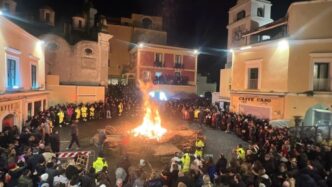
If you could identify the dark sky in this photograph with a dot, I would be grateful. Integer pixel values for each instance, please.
(189, 23)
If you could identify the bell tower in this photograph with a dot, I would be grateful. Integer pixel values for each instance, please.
(245, 16)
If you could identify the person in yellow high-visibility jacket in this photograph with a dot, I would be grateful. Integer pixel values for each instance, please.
(199, 144)
(84, 111)
(61, 116)
(185, 163)
(77, 113)
(240, 152)
(196, 113)
(99, 163)
(92, 112)
(120, 108)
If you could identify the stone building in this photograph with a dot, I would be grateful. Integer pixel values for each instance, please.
(128, 32)
(22, 75)
(76, 46)
(285, 67)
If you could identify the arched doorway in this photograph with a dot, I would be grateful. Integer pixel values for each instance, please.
(8, 121)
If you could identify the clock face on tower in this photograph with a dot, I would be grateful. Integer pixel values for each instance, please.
(237, 35)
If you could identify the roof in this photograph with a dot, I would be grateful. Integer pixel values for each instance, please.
(149, 45)
(277, 23)
(47, 7)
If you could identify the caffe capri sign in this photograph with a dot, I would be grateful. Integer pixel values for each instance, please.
(254, 99)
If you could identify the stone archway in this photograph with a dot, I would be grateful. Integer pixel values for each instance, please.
(7, 121)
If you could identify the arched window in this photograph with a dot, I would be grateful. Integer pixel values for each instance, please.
(8, 121)
(240, 15)
(88, 52)
(147, 23)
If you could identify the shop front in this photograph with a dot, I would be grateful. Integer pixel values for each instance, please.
(10, 114)
(15, 109)
(262, 106)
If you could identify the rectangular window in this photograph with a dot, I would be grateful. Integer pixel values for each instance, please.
(178, 61)
(260, 12)
(37, 107)
(321, 77)
(146, 75)
(159, 57)
(47, 17)
(33, 76)
(159, 60)
(30, 110)
(11, 73)
(80, 24)
(253, 78)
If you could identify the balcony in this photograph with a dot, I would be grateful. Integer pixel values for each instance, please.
(158, 64)
(253, 84)
(171, 80)
(178, 66)
(322, 84)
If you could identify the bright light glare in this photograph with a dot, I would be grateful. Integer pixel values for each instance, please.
(231, 50)
(245, 48)
(15, 87)
(40, 43)
(1, 13)
(140, 45)
(162, 96)
(283, 44)
(196, 51)
(152, 94)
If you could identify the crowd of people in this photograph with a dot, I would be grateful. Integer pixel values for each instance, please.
(29, 157)
(272, 158)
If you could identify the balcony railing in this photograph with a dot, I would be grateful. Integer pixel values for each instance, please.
(178, 65)
(322, 84)
(158, 64)
(171, 80)
(253, 84)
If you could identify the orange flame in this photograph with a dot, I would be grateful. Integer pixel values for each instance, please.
(151, 126)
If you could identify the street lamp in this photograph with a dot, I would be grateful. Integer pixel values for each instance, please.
(141, 45)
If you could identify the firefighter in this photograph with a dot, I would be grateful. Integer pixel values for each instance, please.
(120, 108)
(99, 163)
(92, 112)
(77, 113)
(61, 116)
(84, 111)
(185, 163)
(199, 144)
(240, 152)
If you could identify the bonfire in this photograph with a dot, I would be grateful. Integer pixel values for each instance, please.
(151, 126)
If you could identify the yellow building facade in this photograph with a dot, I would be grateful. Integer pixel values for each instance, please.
(22, 75)
(279, 76)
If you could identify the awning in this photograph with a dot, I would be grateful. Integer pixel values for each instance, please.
(281, 123)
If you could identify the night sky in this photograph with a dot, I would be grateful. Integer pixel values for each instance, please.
(197, 24)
